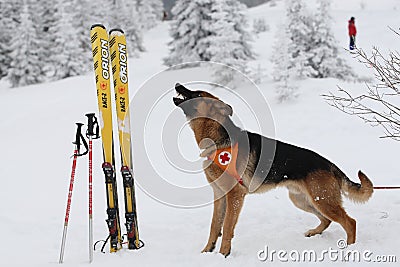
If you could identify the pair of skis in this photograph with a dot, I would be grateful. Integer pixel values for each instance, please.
(105, 47)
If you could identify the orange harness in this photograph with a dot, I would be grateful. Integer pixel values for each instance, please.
(225, 159)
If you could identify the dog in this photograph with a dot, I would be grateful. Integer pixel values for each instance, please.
(258, 164)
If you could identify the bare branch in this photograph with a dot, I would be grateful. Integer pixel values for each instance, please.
(380, 105)
(396, 32)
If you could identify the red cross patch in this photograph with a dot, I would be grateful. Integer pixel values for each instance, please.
(224, 158)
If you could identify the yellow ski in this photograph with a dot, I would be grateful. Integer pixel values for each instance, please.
(119, 62)
(101, 60)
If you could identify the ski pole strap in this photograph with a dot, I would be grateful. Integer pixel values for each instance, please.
(93, 129)
(78, 138)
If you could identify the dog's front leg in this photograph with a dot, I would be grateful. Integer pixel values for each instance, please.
(217, 220)
(234, 203)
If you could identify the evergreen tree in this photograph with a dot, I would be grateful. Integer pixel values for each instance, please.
(149, 12)
(25, 67)
(240, 24)
(190, 32)
(99, 12)
(70, 55)
(282, 71)
(299, 29)
(44, 23)
(118, 14)
(324, 54)
(123, 15)
(228, 39)
(9, 20)
(291, 47)
(209, 30)
(312, 47)
(82, 21)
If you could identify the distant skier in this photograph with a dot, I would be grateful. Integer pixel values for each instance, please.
(352, 33)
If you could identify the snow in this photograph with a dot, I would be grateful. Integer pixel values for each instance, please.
(38, 128)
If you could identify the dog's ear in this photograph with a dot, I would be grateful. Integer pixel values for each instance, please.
(225, 109)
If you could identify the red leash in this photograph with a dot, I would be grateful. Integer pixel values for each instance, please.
(386, 187)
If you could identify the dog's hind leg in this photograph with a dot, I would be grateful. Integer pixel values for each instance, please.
(301, 202)
(325, 196)
(217, 220)
(234, 203)
(337, 214)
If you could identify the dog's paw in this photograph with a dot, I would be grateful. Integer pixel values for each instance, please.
(311, 233)
(225, 253)
(225, 250)
(209, 247)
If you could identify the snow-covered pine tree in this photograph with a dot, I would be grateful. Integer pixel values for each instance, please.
(312, 46)
(82, 20)
(70, 55)
(25, 66)
(9, 20)
(291, 47)
(240, 25)
(324, 54)
(282, 71)
(44, 22)
(228, 39)
(99, 12)
(190, 31)
(299, 25)
(209, 30)
(149, 12)
(134, 32)
(123, 15)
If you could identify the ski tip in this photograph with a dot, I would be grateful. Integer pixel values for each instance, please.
(97, 25)
(116, 32)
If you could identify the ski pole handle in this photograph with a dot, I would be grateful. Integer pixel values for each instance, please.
(92, 123)
(78, 138)
(78, 135)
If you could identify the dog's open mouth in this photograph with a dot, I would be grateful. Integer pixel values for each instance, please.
(183, 94)
(179, 99)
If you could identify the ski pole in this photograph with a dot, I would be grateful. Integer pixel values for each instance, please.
(90, 134)
(77, 144)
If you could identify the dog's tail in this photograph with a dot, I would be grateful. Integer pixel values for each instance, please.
(356, 192)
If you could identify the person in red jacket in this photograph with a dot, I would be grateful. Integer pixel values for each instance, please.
(352, 33)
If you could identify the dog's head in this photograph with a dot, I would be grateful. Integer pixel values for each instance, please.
(200, 104)
(208, 115)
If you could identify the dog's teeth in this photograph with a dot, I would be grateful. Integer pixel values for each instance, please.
(180, 97)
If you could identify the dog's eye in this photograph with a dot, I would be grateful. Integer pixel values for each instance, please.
(198, 95)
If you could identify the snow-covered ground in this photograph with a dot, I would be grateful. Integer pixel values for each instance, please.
(37, 128)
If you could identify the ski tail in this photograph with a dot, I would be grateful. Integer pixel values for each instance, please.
(357, 192)
(101, 60)
(119, 62)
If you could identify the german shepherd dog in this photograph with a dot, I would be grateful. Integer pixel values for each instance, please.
(315, 184)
